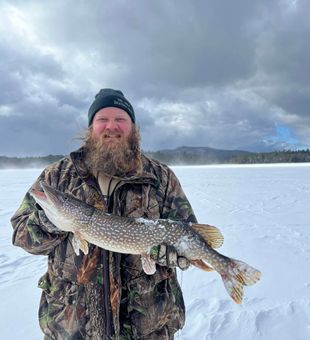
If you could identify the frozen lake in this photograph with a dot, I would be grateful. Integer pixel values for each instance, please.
(263, 213)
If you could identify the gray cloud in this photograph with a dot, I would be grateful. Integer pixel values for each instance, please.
(198, 73)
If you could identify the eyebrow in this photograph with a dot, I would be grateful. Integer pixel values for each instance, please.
(121, 114)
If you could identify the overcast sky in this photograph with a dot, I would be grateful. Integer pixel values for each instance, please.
(223, 74)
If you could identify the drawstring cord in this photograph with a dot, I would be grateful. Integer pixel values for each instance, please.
(181, 284)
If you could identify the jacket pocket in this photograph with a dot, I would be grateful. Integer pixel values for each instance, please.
(141, 201)
(62, 312)
(155, 301)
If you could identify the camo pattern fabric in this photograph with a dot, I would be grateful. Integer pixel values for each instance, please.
(74, 302)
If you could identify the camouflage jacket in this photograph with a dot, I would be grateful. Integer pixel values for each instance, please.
(104, 295)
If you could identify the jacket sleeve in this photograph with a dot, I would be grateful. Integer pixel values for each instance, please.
(176, 205)
(32, 230)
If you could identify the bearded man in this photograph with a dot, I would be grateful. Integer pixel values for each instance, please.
(107, 295)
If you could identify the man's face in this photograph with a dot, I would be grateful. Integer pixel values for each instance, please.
(112, 124)
(112, 144)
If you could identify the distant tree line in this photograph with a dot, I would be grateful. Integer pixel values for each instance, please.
(182, 155)
(196, 156)
(287, 156)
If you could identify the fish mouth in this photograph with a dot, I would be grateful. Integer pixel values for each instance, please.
(48, 197)
(39, 196)
(51, 194)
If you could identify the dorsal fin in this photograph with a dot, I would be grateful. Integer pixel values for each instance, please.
(210, 234)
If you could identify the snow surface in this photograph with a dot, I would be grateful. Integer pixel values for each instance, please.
(263, 213)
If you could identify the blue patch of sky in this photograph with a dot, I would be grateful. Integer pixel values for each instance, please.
(285, 136)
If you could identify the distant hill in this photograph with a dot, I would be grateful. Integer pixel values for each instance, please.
(184, 155)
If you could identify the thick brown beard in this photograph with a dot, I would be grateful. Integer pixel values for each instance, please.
(122, 159)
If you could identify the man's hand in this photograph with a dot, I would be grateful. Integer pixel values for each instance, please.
(47, 224)
(167, 256)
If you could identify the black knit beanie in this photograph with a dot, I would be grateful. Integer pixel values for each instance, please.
(110, 98)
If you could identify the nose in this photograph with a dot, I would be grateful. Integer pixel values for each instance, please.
(111, 124)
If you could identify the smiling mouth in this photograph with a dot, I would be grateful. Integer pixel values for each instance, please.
(112, 136)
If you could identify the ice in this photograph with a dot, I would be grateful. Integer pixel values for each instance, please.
(263, 213)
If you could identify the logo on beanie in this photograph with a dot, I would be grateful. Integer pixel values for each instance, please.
(122, 103)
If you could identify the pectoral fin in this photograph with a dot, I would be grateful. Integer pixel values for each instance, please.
(79, 243)
(148, 264)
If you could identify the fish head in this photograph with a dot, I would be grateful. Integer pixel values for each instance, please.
(64, 210)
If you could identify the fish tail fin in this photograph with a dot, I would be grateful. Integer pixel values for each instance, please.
(239, 274)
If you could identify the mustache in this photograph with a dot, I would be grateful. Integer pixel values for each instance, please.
(111, 133)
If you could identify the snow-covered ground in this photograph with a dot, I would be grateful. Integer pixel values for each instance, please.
(264, 215)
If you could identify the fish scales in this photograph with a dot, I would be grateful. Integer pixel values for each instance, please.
(139, 235)
(125, 235)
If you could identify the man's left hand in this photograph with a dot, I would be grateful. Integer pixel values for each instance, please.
(167, 256)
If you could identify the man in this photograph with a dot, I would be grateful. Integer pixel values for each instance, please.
(106, 295)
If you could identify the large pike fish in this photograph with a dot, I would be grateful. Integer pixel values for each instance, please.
(127, 235)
